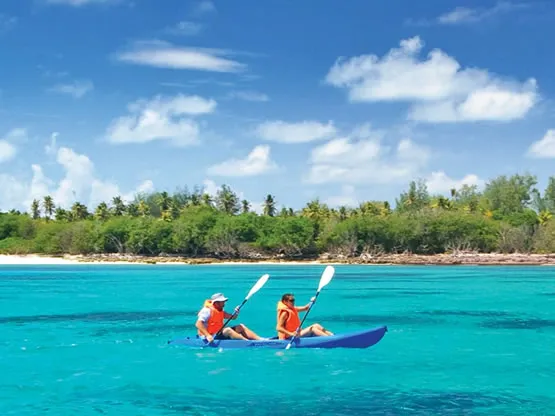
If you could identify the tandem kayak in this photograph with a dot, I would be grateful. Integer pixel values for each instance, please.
(359, 339)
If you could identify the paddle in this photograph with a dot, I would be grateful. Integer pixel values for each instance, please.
(257, 286)
(324, 280)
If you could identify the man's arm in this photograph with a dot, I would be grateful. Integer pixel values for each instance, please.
(234, 316)
(203, 317)
(201, 326)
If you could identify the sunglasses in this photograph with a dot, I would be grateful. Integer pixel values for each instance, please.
(292, 300)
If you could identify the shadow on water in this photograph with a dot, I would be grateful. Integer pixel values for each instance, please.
(360, 402)
(532, 323)
(97, 317)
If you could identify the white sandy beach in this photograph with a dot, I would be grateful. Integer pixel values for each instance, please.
(34, 259)
(439, 259)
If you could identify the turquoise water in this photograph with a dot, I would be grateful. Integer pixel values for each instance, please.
(92, 340)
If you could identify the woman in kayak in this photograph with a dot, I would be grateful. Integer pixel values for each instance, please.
(211, 319)
(288, 320)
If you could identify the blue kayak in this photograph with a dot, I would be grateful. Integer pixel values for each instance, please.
(358, 339)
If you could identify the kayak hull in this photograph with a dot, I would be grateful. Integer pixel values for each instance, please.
(358, 339)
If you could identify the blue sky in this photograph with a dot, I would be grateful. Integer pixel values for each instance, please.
(344, 101)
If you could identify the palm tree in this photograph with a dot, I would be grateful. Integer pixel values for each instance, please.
(343, 213)
(79, 211)
(101, 212)
(227, 201)
(270, 206)
(133, 209)
(245, 206)
(163, 201)
(119, 206)
(206, 200)
(314, 210)
(48, 205)
(544, 217)
(386, 209)
(369, 208)
(61, 214)
(143, 208)
(35, 209)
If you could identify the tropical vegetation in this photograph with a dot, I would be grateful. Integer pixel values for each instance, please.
(509, 215)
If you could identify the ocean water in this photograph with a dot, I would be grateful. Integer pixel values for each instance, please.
(92, 340)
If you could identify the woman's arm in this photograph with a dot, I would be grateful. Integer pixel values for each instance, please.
(305, 307)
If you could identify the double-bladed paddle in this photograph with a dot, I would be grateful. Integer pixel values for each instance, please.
(257, 286)
(327, 275)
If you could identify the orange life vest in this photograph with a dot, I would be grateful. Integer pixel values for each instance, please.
(216, 320)
(292, 322)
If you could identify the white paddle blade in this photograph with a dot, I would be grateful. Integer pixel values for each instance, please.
(326, 277)
(261, 282)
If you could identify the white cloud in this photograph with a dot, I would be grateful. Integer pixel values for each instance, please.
(544, 148)
(464, 15)
(249, 96)
(204, 7)
(161, 118)
(347, 198)
(39, 186)
(362, 158)
(16, 134)
(13, 193)
(7, 151)
(301, 132)
(51, 148)
(440, 88)
(210, 187)
(79, 183)
(439, 182)
(186, 28)
(164, 55)
(257, 162)
(459, 15)
(76, 89)
(489, 103)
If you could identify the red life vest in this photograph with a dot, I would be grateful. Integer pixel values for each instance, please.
(216, 319)
(292, 322)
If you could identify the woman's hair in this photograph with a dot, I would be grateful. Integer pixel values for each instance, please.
(287, 296)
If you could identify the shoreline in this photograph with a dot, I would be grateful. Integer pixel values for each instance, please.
(477, 259)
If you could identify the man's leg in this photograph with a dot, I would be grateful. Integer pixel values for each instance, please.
(246, 332)
(232, 334)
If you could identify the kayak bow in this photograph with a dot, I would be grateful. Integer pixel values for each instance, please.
(358, 339)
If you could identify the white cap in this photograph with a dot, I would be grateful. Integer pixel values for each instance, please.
(218, 297)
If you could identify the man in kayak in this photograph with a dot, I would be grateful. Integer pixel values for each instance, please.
(288, 320)
(211, 319)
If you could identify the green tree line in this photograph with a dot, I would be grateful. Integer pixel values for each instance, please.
(509, 215)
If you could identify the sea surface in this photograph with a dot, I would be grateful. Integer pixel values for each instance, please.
(92, 340)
